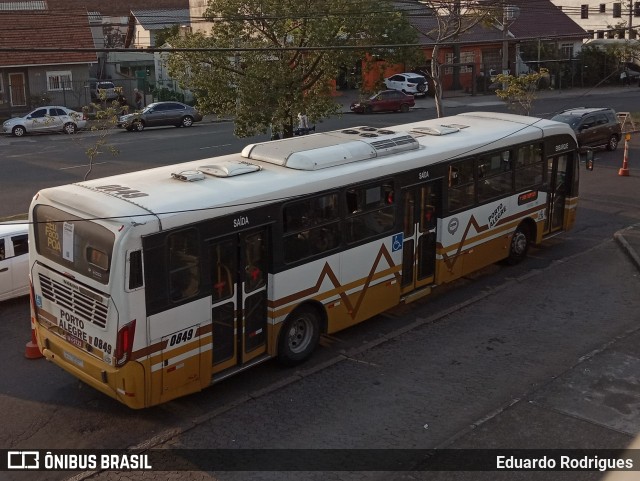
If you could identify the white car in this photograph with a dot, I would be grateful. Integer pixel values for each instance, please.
(46, 119)
(409, 83)
(14, 259)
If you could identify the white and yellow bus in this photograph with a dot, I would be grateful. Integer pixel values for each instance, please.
(155, 284)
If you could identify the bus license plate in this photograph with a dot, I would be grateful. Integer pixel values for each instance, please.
(75, 341)
(71, 358)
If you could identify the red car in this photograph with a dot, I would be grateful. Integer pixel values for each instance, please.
(385, 101)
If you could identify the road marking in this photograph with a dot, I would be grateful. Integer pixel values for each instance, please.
(214, 146)
(82, 165)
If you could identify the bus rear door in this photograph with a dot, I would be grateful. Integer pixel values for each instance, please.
(558, 181)
(239, 265)
(421, 207)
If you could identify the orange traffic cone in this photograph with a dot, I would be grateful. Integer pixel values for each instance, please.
(625, 162)
(32, 351)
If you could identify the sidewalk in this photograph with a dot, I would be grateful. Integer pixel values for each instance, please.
(629, 241)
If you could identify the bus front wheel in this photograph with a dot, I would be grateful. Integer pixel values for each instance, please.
(519, 245)
(299, 336)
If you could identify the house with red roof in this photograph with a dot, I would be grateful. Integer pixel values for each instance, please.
(41, 54)
(48, 49)
(478, 51)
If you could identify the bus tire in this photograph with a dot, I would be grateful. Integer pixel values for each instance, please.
(519, 245)
(299, 336)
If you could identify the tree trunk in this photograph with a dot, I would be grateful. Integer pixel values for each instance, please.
(437, 83)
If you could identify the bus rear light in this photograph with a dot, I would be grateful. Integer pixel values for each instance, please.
(124, 343)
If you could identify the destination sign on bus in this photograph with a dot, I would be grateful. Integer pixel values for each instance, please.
(527, 197)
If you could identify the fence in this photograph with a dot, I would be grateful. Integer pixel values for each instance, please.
(78, 94)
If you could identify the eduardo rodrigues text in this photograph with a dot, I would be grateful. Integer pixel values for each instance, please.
(563, 462)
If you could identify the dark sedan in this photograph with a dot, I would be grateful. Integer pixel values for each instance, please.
(385, 101)
(159, 114)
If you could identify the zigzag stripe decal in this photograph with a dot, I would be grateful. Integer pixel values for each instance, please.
(450, 261)
(327, 272)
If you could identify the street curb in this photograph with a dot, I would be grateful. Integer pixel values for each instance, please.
(626, 247)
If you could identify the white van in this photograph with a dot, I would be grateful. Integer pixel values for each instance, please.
(14, 259)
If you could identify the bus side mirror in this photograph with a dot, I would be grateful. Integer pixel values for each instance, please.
(589, 160)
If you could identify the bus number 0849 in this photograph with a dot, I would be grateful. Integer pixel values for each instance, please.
(181, 337)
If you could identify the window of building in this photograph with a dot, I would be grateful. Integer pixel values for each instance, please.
(567, 50)
(584, 11)
(465, 57)
(311, 226)
(636, 9)
(60, 80)
(603, 7)
(370, 211)
(617, 10)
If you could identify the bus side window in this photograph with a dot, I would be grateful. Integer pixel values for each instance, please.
(319, 232)
(184, 265)
(529, 166)
(373, 213)
(135, 270)
(461, 185)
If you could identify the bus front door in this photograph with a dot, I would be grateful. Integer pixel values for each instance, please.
(239, 309)
(558, 182)
(421, 207)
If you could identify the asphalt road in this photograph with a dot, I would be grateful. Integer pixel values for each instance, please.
(34, 162)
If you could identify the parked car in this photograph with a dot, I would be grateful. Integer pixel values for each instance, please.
(632, 69)
(160, 113)
(409, 83)
(385, 101)
(594, 127)
(103, 90)
(14, 259)
(46, 119)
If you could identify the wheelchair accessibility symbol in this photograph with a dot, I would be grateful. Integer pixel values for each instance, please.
(396, 242)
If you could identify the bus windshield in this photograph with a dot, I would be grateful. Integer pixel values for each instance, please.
(77, 244)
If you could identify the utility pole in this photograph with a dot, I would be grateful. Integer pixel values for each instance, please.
(505, 42)
(630, 36)
(509, 15)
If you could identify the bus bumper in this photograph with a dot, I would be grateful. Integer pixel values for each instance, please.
(125, 384)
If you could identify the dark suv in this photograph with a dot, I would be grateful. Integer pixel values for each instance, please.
(594, 127)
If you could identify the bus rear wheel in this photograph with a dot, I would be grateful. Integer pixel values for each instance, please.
(299, 336)
(519, 245)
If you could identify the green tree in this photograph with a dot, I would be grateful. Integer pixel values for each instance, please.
(282, 56)
(162, 35)
(444, 22)
(520, 92)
